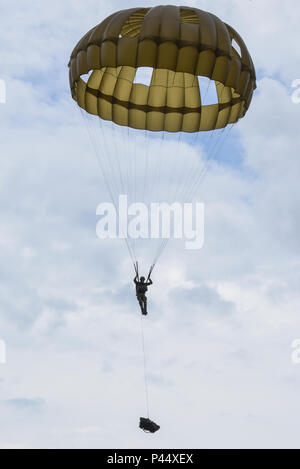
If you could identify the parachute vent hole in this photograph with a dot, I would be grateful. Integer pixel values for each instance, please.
(143, 75)
(236, 47)
(208, 91)
(188, 16)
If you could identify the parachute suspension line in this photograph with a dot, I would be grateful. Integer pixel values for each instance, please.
(160, 251)
(113, 171)
(117, 157)
(146, 167)
(144, 188)
(221, 142)
(212, 156)
(135, 180)
(187, 180)
(96, 147)
(187, 174)
(177, 157)
(130, 178)
(194, 167)
(122, 187)
(172, 173)
(150, 271)
(213, 151)
(100, 160)
(141, 166)
(160, 158)
(157, 172)
(151, 183)
(159, 155)
(195, 170)
(179, 167)
(145, 367)
(103, 145)
(136, 268)
(178, 160)
(169, 145)
(190, 189)
(128, 165)
(131, 175)
(141, 181)
(162, 193)
(210, 146)
(106, 158)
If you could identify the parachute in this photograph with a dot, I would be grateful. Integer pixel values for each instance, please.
(159, 89)
(179, 43)
(141, 79)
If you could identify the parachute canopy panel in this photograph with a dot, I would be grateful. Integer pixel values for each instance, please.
(178, 44)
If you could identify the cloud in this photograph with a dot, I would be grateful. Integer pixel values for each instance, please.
(26, 404)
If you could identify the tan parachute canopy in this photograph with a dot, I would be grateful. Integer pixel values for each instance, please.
(179, 43)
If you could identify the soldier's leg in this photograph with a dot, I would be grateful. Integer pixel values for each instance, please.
(141, 304)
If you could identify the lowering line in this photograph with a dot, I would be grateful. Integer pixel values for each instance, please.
(136, 268)
(145, 367)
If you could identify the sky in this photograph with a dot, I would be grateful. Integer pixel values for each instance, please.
(221, 320)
